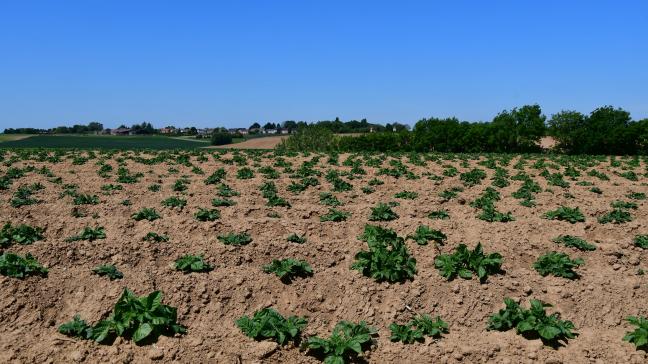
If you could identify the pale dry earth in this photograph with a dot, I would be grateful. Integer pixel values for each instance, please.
(31, 309)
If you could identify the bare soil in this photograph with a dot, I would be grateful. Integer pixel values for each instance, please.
(208, 303)
(255, 143)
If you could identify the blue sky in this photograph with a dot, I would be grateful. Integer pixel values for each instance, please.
(230, 63)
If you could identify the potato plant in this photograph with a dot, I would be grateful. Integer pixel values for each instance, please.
(270, 324)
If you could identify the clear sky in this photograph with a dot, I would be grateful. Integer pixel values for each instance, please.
(230, 63)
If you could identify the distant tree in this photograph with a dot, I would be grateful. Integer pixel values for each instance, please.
(290, 125)
(221, 138)
(269, 126)
(255, 126)
(95, 126)
(567, 128)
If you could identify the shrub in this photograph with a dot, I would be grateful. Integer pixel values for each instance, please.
(270, 324)
(534, 321)
(288, 269)
(464, 263)
(557, 264)
(221, 138)
(13, 265)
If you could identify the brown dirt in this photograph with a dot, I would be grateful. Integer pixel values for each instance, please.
(208, 303)
(255, 143)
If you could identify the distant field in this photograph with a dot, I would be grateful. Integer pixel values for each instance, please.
(101, 142)
(9, 137)
(254, 143)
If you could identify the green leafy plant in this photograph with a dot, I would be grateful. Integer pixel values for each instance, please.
(207, 214)
(490, 214)
(424, 234)
(108, 270)
(572, 215)
(616, 216)
(192, 263)
(288, 269)
(345, 344)
(216, 177)
(235, 239)
(294, 238)
(472, 177)
(328, 199)
(20, 234)
(387, 259)
(557, 264)
(146, 214)
(335, 215)
(174, 201)
(382, 212)
(13, 265)
(641, 241)
(155, 237)
(245, 173)
(142, 319)
(464, 262)
(270, 324)
(417, 329)
(222, 202)
(533, 322)
(439, 215)
(407, 195)
(574, 242)
(639, 336)
(89, 234)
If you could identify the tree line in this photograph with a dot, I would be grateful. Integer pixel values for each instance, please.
(605, 130)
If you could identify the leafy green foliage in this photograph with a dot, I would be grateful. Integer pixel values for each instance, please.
(450, 193)
(382, 212)
(142, 319)
(636, 195)
(222, 202)
(192, 263)
(424, 234)
(346, 343)
(13, 265)
(641, 241)
(532, 322)
(76, 328)
(574, 242)
(335, 215)
(155, 237)
(20, 234)
(270, 324)
(639, 336)
(288, 269)
(407, 195)
(245, 173)
(294, 238)
(328, 199)
(616, 216)
(207, 214)
(174, 201)
(108, 270)
(417, 329)
(146, 214)
(490, 214)
(464, 262)
(216, 177)
(472, 177)
(572, 215)
(388, 258)
(89, 234)
(557, 264)
(439, 215)
(235, 239)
